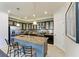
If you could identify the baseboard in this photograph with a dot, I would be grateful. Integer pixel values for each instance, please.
(60, 48)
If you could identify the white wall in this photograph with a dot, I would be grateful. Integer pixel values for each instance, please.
(71, 48)
(59, 28)
(3, 29)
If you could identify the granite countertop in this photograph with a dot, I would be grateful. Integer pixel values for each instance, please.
(32, 39)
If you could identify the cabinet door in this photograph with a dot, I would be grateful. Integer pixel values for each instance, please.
(14, 23)
(24, 26)
(38, 25)
(47, 25)
(27, 26)
(51, 25)
(20, 25)
(10, 22)
(43, 25)
(32, 26)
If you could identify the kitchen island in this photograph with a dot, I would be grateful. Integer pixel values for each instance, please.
(39, 43)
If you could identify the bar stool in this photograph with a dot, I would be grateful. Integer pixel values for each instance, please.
(13, 47)
(29, 51)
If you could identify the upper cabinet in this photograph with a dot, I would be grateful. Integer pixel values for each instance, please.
(10, 23)
(23, 26)
(47, 25)
(52, 25)
(44, 25)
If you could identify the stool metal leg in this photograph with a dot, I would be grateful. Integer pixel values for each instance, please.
(10, 51)
(31, 51)
(14, 53)
(18, 51)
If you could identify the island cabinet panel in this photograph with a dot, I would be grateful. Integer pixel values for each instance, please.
(39, 43)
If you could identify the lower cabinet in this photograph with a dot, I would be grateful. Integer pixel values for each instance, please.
(50, 39)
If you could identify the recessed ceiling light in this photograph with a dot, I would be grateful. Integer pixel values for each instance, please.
(17, 24)
(34, 15)
(9, 11)
(45, 12)
(34, 23)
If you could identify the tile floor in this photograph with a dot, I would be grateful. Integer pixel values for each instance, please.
(52, 51)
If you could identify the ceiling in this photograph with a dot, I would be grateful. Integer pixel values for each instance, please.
(27, 9)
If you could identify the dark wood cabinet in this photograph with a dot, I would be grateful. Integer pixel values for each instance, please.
(50, 39)
(41, 25)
